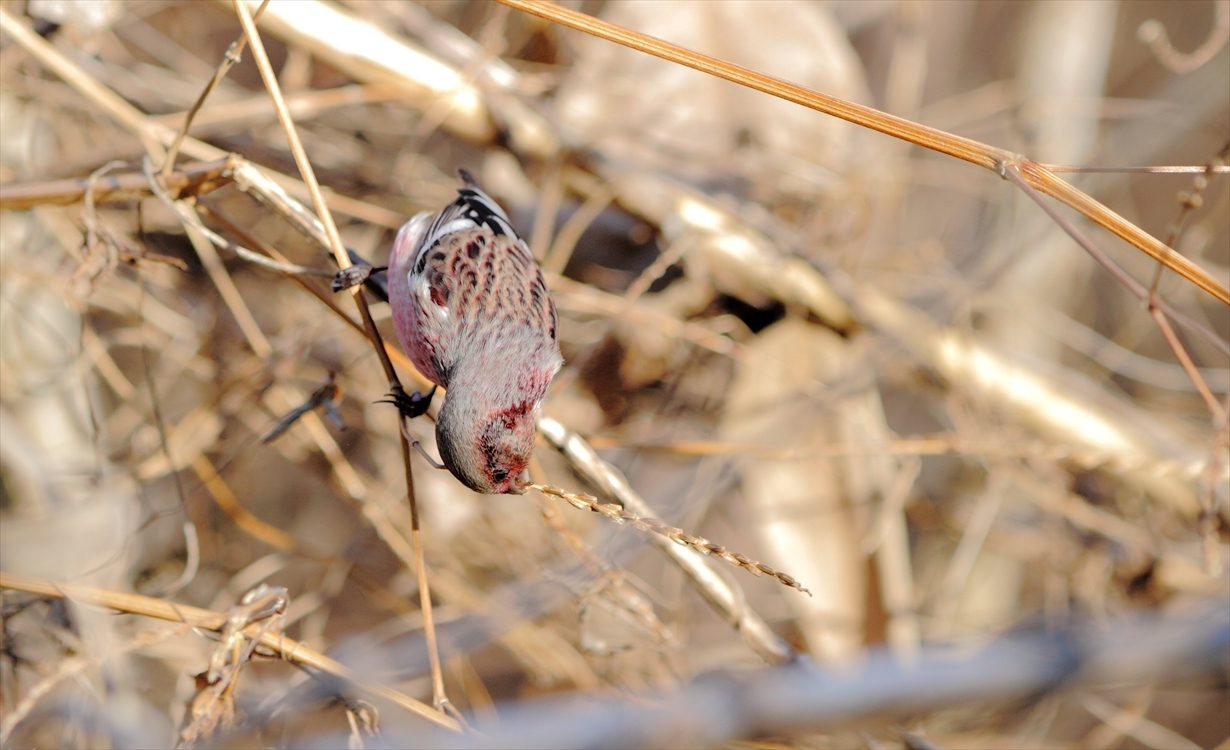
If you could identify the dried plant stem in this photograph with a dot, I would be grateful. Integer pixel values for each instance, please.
(654, 526)
(256, 183)
(284, 396)
(1135, 725)
(550, 195)
(1013, 172)
(226, 287)
(343, 260)
(1185, 359)
(578, 297)
(1188, 202)
(933, 445)
(193, 179)
(194, 228)
(288, 126)
(228, 61)
(276, 642)
(308, 103)
(723, 595)
(106, 99)
(1177, 169)
(152, 134)
(612, 580)
(325, 297)
(570, 233)
(968, 150)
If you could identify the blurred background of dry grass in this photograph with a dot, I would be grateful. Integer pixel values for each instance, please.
(879, 370)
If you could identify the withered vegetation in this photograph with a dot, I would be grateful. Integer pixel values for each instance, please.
(985, 433)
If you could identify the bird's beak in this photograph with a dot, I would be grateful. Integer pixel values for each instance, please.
(520, 484)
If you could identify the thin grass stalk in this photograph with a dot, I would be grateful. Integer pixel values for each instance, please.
(232, 57)
(343, 261)
(988, 157)
(279, 644)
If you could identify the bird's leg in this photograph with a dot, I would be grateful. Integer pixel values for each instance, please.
(423, 451)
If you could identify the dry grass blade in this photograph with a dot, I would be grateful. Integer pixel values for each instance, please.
(288, 126)
(874, 367)
(980, 154)
(275, 642)
(343, 261)
(370, 54)
(232, 57)
(152, 136)
(191, 179)
(723, 596)
(654, 526)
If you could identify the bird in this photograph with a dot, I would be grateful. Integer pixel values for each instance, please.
(472, 311)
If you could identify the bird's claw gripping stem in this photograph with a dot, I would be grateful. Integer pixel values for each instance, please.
(354, 275)
(410, 405)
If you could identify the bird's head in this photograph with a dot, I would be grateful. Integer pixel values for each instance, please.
(487, 449)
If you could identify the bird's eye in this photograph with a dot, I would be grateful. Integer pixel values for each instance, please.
(499, 475)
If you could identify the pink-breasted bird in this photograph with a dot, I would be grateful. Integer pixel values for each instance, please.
(472, 311)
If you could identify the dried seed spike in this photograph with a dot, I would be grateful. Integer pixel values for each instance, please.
(679, 536)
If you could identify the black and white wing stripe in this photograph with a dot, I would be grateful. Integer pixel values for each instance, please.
(473, 209)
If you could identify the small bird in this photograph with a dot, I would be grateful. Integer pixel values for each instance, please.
(472, 311)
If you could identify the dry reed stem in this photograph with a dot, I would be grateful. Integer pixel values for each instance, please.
(195, 228)
(651, 525)
(302, 104)
(294, 212)
(1188, 202)
(976, 153)
(724, 596)
(895, 565)
(343, 261)
(557, 257)
(231, 297)
(154, 135)
(213, 707)
(1015, 172)
(193, 179)
(1173, 169)
(232, 57)
(550, 195)
(369, 54)
(279, 644)
(932, 445)
(577, 297)
(285, 397)
(1185, 360)
(304, 165)
(612, 582)
(1104, 736)
(1059, 507)
(136, 121)
(243, 518)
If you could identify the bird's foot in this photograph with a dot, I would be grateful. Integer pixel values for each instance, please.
(354, 275)
(410, 405)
